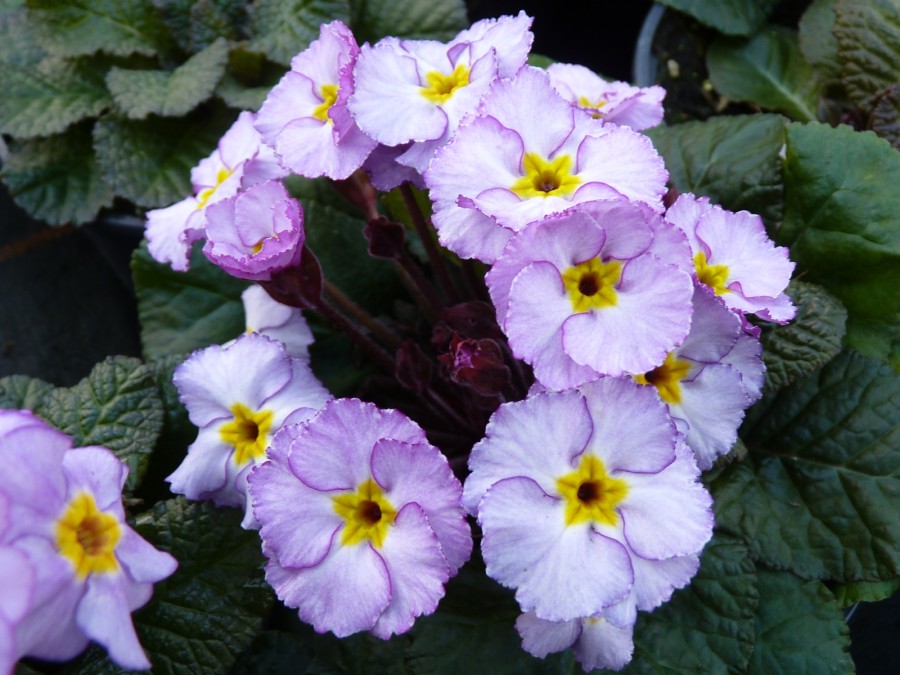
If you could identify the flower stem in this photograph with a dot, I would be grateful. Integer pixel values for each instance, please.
(347, 304)
(431, 249)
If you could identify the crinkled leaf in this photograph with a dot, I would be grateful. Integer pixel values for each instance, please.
(170, 94)
(116, 406)
(81, 27)
(868, 34)
(865, 591)
(183, 311)
(417, 19)
(885, 117)
(214, 19)
(57, 179)
(732, 17)
(359, 654)
(274, 653)
(731, 159)
(819, 493)
(799, 628)
(49, 99)
(236, 95)
(818, 42)
(19, 392)
(150, 161)
(768, 70)
(282, 28)
(840, 221)
(708, 626)
(17, 44)
(811, 340)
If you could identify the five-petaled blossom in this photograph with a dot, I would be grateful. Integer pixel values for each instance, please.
(238, 396)
(360, 519)
(90, 569)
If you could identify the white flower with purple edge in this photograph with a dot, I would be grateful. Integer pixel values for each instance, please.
(528, 154)
(255, 233)
(66, 515)
(266, 316)
(239, 161)
(360, 520)
(583, 294)
(575, 490)
(239, 396)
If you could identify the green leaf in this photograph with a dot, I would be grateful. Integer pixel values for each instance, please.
(708, 626)
(69, 28)
(359, 654)
(240, 97)
(840, 221)
(116, 406)
(283, 28)
(50, 98)
(868, 34)
(819, 493)
(885, 117)
(732, 17)
(171, 94)
(274, 653)
(818, 42)
(808, 342)
(214, 19)
(799, 628)
(183, 311)
(768, 70)
(372, 20)
(150, 161)
(17, 44)
(202, 617)
(865, 591)
(733, 160)
(18, 392)
(57, 179)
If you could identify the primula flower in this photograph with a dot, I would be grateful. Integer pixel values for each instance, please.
(734, 258)
(434, 84)
(255, 233)
(239, 161)
(360, 520)
(710, 380)
(15, 598)
(529, 154)
(91, 569)
(266, 316)
(576, 490)
(582, 294)
(614, 102)
(305, 117)
(238, 396)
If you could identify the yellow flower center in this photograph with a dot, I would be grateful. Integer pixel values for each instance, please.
(591, 284)
(206, 194)
(592, 107)
(545, 178)
(441, 87)
(714, 276)
(367, 514)
(591, 495)
(248, 432)
(667, 378)
(329, 94)
(88, 537)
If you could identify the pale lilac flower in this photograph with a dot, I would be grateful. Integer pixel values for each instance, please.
(710, 380)
(305, 117)
(360, 520)
(434, 84)
(386, 172)
(239, 161)
(267, 316)
(91, 570)
(238, 396)
(735, 259)
(576, 491)
(614, 102)
(529, 154)
(255, 233)
(16, 597)
(582, 294)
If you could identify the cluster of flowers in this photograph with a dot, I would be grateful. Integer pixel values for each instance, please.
(73, 570)
(629, 304)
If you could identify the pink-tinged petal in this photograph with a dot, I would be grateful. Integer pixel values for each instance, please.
(241, 142)
(508, 36)
(561, 572)
(420, 474)
(656, 580)
(294, 97)
(468, 232)
(98, 471)
(745, 357)
(417, 568)
(248, 371)
(779, 309)
(103, 614)
(670, 244)
(686, 212)
(204, 470)
(141, 560)
(386, 173)
(629, 226)
(326, 55)
(14, 419)
(538, 438)
(170, 235)
(632, 428)
(346, 593)
(604, 645)
(667, 514)
(32, 477)
(309, 147)
(17, 591)
(541, 637)
(299, 525)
